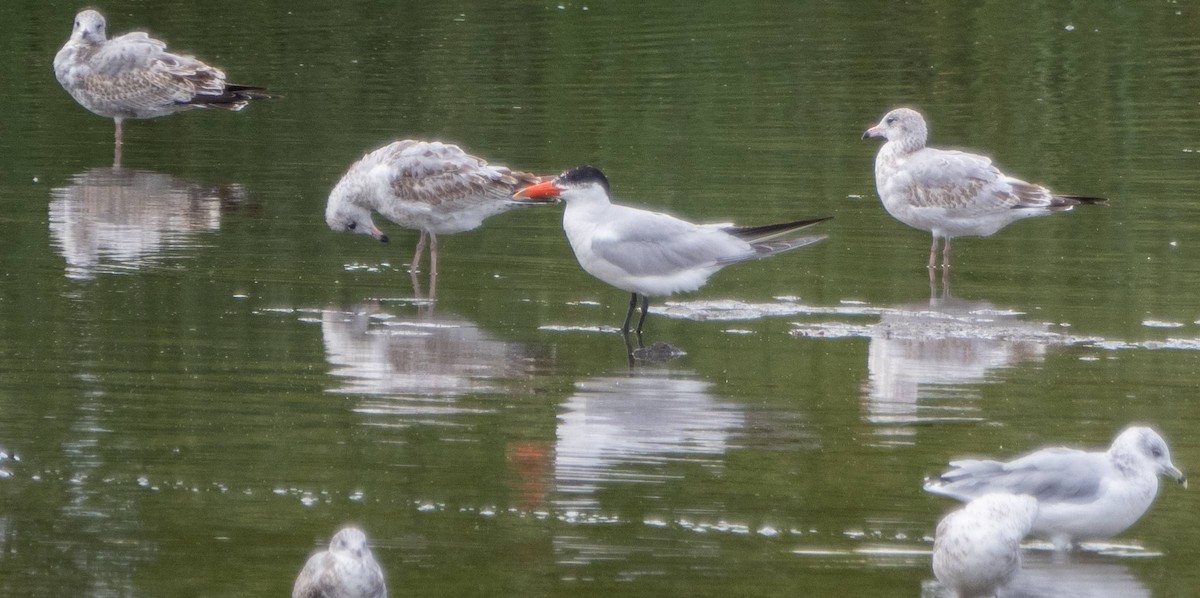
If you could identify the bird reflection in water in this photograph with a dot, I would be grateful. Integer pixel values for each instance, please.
(1078, 575)
(939, 349)
(631, 429)
(119, 220)
(630, 437)
(416, 365)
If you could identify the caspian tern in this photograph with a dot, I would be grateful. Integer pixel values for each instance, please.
(1081, 495)
(951, 193)
(433, 187)
(649, 253)
(134, 76)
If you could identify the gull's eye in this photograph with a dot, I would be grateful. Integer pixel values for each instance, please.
(1156, 451)
(352, 225)
(889, 120)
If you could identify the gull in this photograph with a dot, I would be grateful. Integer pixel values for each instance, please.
(436, 188)
(649, 253)
(346, 570)
(977, 549)
(1081, 495)
(951, 193)
(134, 76)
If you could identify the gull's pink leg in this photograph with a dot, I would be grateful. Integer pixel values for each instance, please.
(433, 260)
(416, 261)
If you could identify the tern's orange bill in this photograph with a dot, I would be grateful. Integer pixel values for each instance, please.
(540, 190)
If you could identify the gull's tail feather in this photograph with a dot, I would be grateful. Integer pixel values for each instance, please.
(233, 97)
(1083, 199)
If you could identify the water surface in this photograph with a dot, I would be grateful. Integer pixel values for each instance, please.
(201, 382)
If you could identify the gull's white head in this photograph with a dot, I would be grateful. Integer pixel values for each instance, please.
(344, 216)
(904, 126)
(350, 540)
(582, 183)
(89, 27)
(1143, 443)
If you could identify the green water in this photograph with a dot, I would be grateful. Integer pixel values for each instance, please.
(202, 382)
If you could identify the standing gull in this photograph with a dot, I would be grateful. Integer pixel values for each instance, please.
(1081, 495)
(649, 253)
(977, 549)
(134, 76)
(429, 186)
(950, 193)
(346, 570)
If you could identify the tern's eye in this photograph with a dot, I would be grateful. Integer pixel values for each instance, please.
(352, 225)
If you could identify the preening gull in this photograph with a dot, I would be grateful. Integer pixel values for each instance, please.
(951, 193)
(649, 253)
(429, 186)
(1081, 495)
(346, 570)
(134, 76)
(977, 549)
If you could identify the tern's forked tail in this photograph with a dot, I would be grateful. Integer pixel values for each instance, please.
(760, 234)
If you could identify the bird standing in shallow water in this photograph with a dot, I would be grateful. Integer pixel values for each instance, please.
(951, 193)
(977, 549)
(649, 253)
(133, 76)
(346, 570)
(1081, 495)
(433, 187)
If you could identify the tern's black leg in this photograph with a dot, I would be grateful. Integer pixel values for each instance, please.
(629, 314)
(645, 306)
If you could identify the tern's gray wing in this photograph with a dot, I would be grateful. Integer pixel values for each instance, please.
(434, 173)
(1049, 475)
(646, 243)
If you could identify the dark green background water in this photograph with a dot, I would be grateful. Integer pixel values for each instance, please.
(202, 382)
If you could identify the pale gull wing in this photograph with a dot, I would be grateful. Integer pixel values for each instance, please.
(135, 73)
(1049, 475)
(644, 243)
(312, 582)
(969, 182)
(443, 175)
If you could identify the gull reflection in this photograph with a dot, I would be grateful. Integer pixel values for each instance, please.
(937, 350)
(417, 364)
(116, 219)
(1084, 576)
(1052, 576)
(630, 429)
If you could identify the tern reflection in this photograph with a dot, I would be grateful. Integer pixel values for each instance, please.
(938, 350)
(630, 429)
(417, 363)
(116, 219)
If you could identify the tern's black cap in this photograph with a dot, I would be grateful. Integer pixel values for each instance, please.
(584, 174)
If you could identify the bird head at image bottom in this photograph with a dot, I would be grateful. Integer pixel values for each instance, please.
(346, 570)
(652, 254)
